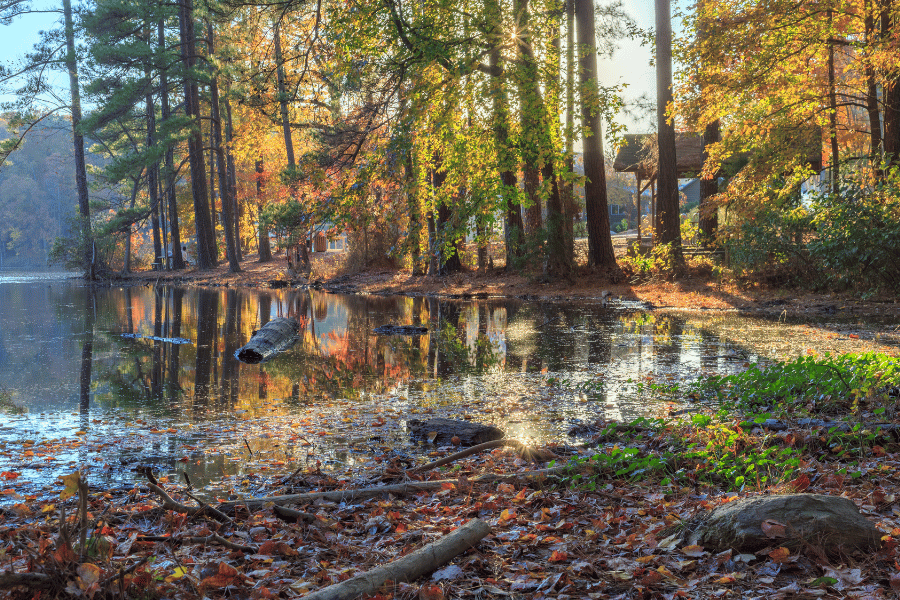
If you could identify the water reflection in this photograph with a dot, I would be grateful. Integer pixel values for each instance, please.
(137, 398)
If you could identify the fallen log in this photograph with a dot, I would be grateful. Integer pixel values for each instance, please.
(397, 489)
(29, 580)
(442, 431)
(275, 336)
(401, 330)
(408, 568)
(832, 524)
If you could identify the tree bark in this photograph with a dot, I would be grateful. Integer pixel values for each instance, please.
(709, 213)
(872, 107)
(667, 225)
(172, 200)
(409, 567)
(568, 187)
(558, 263)
(265, 249)
(224, 184)
(530, 117)
(84, 208)
(832, 116)
(600, 248)
(514, 230)
(283, 98)
(272, 338)
(206, 250)
(891, 97)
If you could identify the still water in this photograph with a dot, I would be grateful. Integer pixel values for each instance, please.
(105, 379)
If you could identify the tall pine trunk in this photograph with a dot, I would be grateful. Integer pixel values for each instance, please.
(265, 249)
(600, 248)
(206, 250)
(224, 184)
(84, 209)
(668, 224)
(568, 187)
(514, 227)
(171, 199)
(530, 117)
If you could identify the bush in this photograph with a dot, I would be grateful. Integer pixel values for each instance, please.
(858, 237)
(770, 244)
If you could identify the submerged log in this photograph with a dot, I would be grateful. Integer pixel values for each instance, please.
(401, 330)
(442, 431)
(275, 336)
(830, 523)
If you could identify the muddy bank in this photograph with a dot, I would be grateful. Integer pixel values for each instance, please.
(694, 292)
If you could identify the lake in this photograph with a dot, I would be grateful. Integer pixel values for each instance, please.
(110, 379)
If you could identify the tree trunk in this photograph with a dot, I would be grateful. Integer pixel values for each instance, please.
(709, 213)
(531, 118)
(875, 146)
(265, 249)
(514, 230)
(172, 200)
(558, 263)
(890, 96)
(283, 98)
(153, 171)
(224, 184)
(206, 251)
(232, 180)
(84, 208)
(600, 248)
(832, 116)
(568, 187)
(667, 225)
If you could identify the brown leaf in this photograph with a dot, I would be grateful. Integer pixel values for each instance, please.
(431, 591)
(773, 529)
(273, 548)
(779, 554)
(895, 582)
(225, 575)
(800, 483)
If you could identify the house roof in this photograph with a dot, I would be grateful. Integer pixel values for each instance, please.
(638, 153)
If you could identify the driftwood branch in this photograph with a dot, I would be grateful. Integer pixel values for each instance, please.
(397, 489)
(29, 580)
(410, 567)
(206, 539)
(464, 453)
(293, 515)
(171, 504)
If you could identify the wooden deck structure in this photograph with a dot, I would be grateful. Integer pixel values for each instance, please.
(638, 155)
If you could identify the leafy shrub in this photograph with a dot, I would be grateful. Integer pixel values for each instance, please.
(858, 236)
(770, 244)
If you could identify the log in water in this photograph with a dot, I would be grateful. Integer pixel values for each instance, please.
(275, 336)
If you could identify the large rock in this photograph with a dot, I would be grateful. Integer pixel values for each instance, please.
(831, 523)
(469, 434)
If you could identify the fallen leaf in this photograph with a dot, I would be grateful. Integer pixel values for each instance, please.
(694, 551)
(558, 556)
(431, 591)
(773, 529)
(222, 575)
(779, 554)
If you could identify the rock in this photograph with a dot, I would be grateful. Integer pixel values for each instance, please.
(469, 434)
(830, 523)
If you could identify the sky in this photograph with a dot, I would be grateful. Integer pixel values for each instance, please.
(629, 65)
